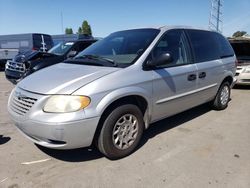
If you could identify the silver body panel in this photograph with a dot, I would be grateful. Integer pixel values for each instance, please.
(167, 92)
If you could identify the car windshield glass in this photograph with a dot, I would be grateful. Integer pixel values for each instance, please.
(61, 48)
(120, 49)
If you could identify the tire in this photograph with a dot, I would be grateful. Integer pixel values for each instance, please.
(222, 97)
(123, 125)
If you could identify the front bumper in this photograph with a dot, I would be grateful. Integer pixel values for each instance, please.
(13, 76)
(67, 135)
(243, 79)
(242, 76)
(52, 130)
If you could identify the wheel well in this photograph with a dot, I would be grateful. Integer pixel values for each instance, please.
(228, 79)
(137, 100)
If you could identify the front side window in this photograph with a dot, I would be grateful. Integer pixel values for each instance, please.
(122, 47)
(173, 42)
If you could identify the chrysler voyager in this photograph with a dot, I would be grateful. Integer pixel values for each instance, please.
(113, 90)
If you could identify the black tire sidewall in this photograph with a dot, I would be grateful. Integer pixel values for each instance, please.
(217, 103)
(105, 139)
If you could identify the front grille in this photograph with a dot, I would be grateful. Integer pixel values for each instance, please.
(21, 104)
(15, 66)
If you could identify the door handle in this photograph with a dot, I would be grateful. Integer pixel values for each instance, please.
(191, 77)
(202, 75)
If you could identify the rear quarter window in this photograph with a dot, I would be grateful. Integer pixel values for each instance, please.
(204, 45)
(225, 48)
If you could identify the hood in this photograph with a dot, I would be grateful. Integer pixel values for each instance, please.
(63, 78)
(32, 55)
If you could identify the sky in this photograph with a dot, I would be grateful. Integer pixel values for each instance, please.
(105, 17)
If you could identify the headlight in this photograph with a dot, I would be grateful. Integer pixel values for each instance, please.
(66, 103)
(246, 70)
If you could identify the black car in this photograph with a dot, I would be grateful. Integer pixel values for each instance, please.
(28, 62)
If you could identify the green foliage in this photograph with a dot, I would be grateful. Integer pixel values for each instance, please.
(239, 33)
(86, 28)
(68, 31)
(79, 30)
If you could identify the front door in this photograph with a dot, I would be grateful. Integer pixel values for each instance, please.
(173, 83)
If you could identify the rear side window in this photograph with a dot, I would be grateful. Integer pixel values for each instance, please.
(225, 48)
(204, 45)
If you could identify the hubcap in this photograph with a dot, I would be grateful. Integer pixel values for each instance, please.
(224, 96)
(125, 131)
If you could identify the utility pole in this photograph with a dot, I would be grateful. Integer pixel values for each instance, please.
(215, 19)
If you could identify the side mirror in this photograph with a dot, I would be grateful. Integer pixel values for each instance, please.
(163, 59)
(71, 54)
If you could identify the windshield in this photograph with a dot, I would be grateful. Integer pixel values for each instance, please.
(122, 48)
(61, 48)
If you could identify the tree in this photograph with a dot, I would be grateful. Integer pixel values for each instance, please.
(68, 31)
(239, 33)
(86, 28)
(79, 30)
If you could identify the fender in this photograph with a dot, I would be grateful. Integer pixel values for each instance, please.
(124, 92)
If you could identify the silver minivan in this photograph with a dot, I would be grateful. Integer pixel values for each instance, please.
(113, 90)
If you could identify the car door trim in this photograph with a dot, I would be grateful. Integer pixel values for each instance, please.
(185, 94)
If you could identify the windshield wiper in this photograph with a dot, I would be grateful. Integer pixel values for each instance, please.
(96, 57)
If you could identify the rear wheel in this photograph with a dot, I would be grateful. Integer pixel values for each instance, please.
(222, 98)
(121, 131)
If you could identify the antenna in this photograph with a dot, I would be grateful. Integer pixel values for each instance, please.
(215, 20)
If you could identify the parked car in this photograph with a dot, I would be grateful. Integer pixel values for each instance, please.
(242, 51)
(11, 45)
(113, 90)
(28, 62)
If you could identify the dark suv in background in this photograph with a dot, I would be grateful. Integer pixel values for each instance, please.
(26, 63)
(11, 45)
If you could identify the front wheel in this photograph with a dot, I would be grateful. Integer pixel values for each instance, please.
(222, 98)
(121, 131)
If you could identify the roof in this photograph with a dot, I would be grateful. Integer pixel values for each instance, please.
(167, 27)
